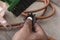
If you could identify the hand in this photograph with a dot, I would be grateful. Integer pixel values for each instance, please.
(26, 33)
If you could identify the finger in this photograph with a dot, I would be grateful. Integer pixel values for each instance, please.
(40, 31)
(37, 27)
(21, 25)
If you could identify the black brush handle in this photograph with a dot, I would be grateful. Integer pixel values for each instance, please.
(33, 28)
(33, 23)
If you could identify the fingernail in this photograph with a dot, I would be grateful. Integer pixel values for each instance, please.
(28, 21)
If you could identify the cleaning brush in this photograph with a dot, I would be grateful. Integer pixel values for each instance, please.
(21, 6)
(18, 6)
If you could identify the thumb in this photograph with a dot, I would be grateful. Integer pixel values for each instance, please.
(28, 24)
(24, 32)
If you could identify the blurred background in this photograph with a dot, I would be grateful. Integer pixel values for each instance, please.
(50, 25)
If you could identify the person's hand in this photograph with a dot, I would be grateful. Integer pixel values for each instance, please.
(26, 33)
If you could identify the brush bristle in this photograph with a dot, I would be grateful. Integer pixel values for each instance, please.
(21, 6)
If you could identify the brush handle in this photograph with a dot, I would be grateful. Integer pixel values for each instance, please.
(33, 28)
